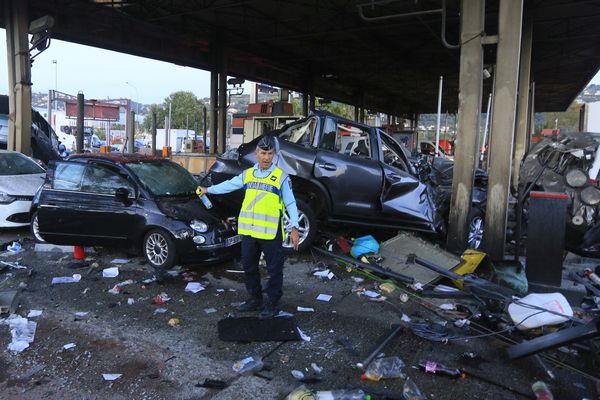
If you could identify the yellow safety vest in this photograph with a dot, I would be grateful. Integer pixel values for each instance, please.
(262, 207)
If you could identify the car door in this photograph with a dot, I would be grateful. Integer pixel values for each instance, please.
(346, 166)
(110, 220)
(405, 201)
(59, 215)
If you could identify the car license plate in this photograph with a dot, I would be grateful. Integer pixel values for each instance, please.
(233, 240)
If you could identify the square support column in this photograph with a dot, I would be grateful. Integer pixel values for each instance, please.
(19, 76)
(214, 107)
(222, 129)
(503, 125)
(523, 101)
(469, 110)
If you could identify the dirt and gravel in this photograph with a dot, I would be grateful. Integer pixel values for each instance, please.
(159, 361)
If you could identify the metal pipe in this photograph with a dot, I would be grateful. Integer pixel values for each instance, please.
(439, 116)
(154, 133)
(402, 15)
(365, 363)
(485, 127)
(80, 116)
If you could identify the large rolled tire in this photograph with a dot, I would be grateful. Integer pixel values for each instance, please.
(307, 230)
(159, 249)
(476, 228)
(35, 229)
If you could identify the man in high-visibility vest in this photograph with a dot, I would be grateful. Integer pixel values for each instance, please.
(268, 194)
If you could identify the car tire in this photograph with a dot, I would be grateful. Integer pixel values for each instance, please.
(159, 249)
(308, 226)
(35, 229)
(476, 228)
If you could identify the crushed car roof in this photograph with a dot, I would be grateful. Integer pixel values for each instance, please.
(122, 158)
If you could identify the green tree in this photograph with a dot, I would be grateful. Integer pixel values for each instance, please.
(567, 121)
(185, 108)
(341, 109)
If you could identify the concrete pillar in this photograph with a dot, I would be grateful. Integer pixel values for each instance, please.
(469, 109)
(312, 103)
(80, 119)
(523, 102)
(131, 133)
(153, 133)
(503, 126)
(253, 93)
(356, 113)
(19, 76)
(222, 129)
(214, 107)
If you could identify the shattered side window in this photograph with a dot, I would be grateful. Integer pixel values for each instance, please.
(301, 133)
(102, 180)
(328, 138)
(68, 176)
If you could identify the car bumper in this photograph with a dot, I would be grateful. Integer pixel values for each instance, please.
(191, 252)
(15, 214)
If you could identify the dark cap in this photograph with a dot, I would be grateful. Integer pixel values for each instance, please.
(266, 143)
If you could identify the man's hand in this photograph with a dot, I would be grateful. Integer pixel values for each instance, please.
(201, 190)
(295, 238)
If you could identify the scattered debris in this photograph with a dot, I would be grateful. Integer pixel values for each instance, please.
(210, 310)
(161, 298)
(120, 261)
(8, 301)
(34, 313)
(22, 331)
(316, 368)
(303, 336)
(305, 309)
(174, 322)
(130, 301)
(111, 272)
(14, 247)
(111, 377)
(324, 297)
(115, 290)
(14, 265)
(69, 346)
(525, 313)
(248, 365)
(194, 287)
(81, 314)
(297, 374)
(160, 311)
(411, 391)
(66, 279)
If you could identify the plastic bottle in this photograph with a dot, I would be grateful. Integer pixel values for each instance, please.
(351, 394)
(382, 368)
(541, 391)
(248, 365)
(206, 201)
(433, 367)
(411, 391)
(592, 276)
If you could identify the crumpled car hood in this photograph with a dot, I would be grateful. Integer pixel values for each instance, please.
(186, 209)
(21, 185)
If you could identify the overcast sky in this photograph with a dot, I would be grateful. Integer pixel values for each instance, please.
(102, 74)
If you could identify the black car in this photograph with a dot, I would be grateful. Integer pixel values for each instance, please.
(44, 142)
(130, 200)
(349, 173)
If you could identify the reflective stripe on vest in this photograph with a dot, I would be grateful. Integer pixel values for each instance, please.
(262, 208)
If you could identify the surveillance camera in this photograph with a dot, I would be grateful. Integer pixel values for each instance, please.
(41, 24)
(236, 81)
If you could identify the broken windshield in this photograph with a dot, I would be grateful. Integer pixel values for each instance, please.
(164, 178)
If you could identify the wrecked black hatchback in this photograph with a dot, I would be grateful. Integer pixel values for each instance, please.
(130, 200)
(345, 172)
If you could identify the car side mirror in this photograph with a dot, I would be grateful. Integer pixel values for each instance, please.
(122, 194)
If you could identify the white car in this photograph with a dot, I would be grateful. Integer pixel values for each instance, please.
(20, 178)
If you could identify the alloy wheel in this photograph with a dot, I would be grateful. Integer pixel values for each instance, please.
(157, 248)
(303, 228)
(476, 228)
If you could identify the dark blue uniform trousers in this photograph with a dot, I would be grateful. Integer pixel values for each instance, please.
(273, 250)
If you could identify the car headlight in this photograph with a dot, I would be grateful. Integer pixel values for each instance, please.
(5, 198)
(198, 226)
(590, 196)
(576, 178)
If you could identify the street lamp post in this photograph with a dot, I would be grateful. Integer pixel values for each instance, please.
(137, 95)
(55, 62)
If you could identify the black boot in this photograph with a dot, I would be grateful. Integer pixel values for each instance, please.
(270, 311)
(252, 304)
